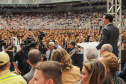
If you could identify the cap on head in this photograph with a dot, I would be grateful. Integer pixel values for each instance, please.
(4, 58)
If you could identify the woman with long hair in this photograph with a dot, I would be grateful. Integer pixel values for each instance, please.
(95, 72)
(70, 73)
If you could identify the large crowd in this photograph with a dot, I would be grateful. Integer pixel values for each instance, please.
(52, 38)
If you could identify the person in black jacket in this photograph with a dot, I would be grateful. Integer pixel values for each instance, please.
(21, 57)
(110, 34)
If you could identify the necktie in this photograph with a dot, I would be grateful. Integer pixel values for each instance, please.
(50, 55)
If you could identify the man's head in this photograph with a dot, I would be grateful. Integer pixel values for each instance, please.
(92, 53)
(47, 72)
(107, 18)
(80, 33)
(21, 46)
(51, 36)
(29, 34)
(44, 43)
(72, 44)
(68, 43)
(91, 39)
(51, 45)
(34, 56)
(4, 61)
(106, 47)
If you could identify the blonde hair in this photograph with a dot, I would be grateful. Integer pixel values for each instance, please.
(111, 61)
(62, 56)
(57, 41)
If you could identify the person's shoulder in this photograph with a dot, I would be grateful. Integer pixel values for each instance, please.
(121, 81)
(118, 80)
(59, 46)
(18, 78)
(124, 67)
(53, 50)
(18, 52)
(48, 50)
(28, 76)
(75, 49)
(78, 82)
(76, 68)
(111, 26)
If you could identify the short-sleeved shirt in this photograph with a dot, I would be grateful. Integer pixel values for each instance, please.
(22, 60)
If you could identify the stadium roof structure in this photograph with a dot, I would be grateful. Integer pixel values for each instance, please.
(43, 1)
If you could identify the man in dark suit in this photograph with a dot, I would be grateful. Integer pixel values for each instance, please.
(73, 48)
(110, 34)
(34, 56)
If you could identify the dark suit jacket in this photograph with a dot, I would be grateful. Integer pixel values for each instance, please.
(29, 75)
(110, 35)
(73, 50)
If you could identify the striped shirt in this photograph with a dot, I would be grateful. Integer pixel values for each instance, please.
(7, 77)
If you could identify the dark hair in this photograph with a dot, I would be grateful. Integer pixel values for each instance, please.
(29, 29)
(109, 17)
(50, 70)
(34, 56)
(73, 43)
(7, 42)
(22, 44)
(3, 67)
(52, 40)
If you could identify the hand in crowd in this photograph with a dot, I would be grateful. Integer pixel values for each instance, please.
(30, 33)
(9, 46)
(43, 56)
(18, 71)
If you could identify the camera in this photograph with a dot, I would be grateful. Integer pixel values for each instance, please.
(31, 44)
(2, 43)
(41, 35)
(29, 29)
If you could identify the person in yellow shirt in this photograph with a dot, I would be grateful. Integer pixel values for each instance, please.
(6, 76)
